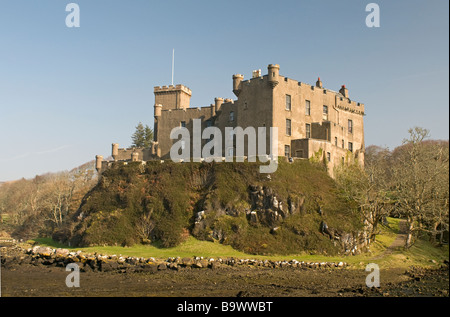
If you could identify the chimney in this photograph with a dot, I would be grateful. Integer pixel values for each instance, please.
(319, 83)
(344, 91)
(256, 73)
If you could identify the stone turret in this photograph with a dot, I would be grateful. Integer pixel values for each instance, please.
(98, 162)
(218, 103)
(115, 151)
(237, 79)
(273, 74)
(157, 109)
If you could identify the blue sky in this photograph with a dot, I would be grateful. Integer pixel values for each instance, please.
(66, 93)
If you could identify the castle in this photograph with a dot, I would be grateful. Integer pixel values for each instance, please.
(310, 119)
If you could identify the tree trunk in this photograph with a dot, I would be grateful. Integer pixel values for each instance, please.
(409, 233)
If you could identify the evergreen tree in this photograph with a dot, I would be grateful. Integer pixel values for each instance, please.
(142, 137)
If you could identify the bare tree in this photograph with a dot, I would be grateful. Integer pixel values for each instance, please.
(368, 187)
(144, 226)
(416, 168)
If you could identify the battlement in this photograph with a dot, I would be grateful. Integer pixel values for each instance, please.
(172, 97)
(172, 88)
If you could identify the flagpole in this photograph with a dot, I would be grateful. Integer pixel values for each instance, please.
(173, 60)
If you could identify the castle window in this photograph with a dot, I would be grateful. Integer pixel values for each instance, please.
(308, 108)
(350, 146)
(287, 151)
(343, 144)
(231, 116)
(350, 126)
(325, 113)
(335, 141)
(328, 156)
(288, 127)
(308, 130)
(183, 124)
(288, 102)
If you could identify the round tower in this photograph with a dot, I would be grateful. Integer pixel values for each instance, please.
(157, 109)
(273, 73)
(236, 82)
(218, 103)
(98, 162)
(115, 151)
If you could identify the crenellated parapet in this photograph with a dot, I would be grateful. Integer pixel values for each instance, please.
(172, 88)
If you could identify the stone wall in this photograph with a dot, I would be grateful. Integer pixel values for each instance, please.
(94, 262)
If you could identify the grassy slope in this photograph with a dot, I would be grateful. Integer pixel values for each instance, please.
(420, 254)
(175, 192)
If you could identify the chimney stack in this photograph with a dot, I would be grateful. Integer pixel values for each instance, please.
(319, 83)
(344, 91)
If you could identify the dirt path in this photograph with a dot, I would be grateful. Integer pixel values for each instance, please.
(398, 243)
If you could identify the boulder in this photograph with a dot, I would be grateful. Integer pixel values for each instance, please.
(187, 261)
(62, 252)
(149, 267)
(174, 266)
(108, 266)
(162, 267)
(43, 251)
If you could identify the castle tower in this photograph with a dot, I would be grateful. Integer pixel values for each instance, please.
(273, 73)
(236, 82)
(98, 162)
(173, 97)
(218, 103)
(115, 151)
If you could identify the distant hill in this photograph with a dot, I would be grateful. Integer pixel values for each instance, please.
(295, 209)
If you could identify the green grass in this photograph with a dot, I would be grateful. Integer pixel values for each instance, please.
(420, 254)
(387, 235)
